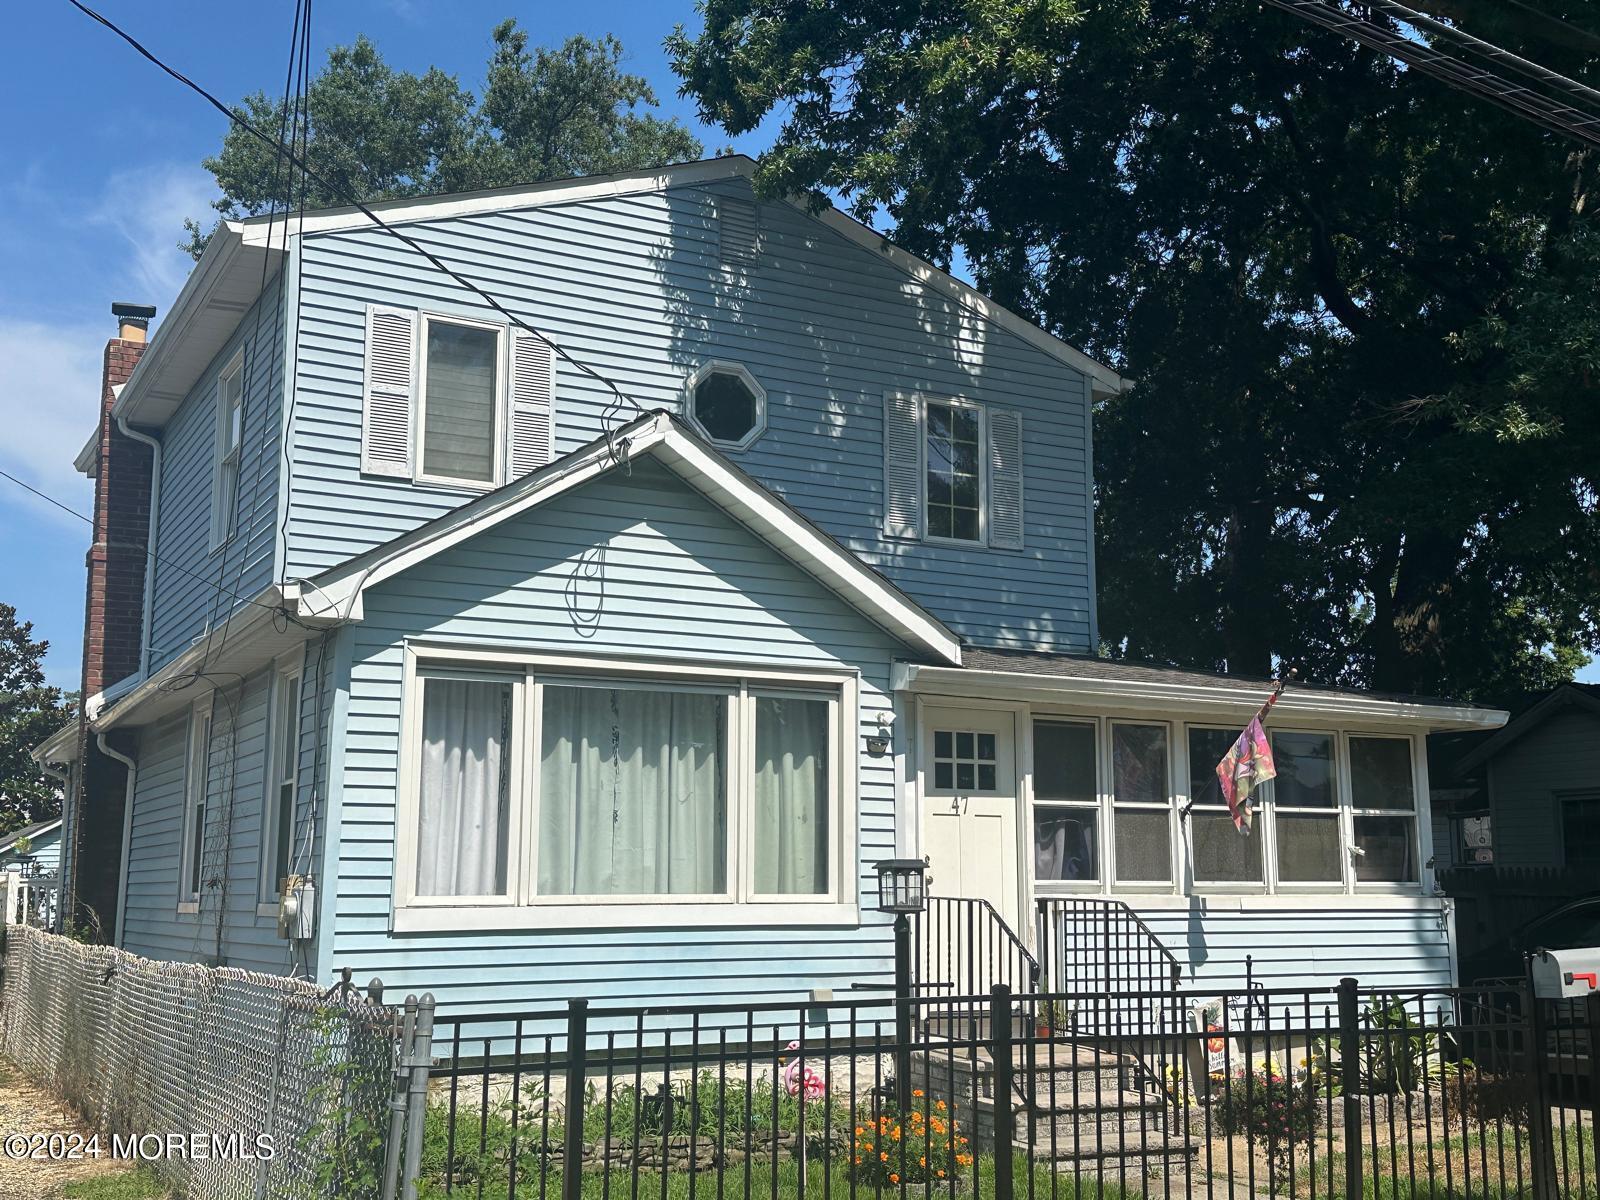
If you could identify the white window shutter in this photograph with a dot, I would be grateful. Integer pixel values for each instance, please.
(391, 383)
(902, 465)
(533, 394)
(1005, 479)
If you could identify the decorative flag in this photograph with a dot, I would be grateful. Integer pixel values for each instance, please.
(1243, 769)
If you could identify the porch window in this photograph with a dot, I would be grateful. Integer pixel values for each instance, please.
(1066, 815)
(460, 401)
(1221, 855)
(1383, 810)
(1142, 809)
(612, 789)
(1306, 808)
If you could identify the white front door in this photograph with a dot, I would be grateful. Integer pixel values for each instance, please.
(969, 806)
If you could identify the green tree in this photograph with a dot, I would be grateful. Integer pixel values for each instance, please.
(30, 711)
(378, 133)
(1357, 305)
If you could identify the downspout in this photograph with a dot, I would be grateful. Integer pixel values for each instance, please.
(132, 773)
(149, 558)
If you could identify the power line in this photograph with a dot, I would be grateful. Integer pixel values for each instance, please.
(357, 204)
(1576, 31)
(1523, 101)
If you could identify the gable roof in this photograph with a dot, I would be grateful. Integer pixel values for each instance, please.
(240, 254)
(37, 829)
(1584, 696)
(335, 595)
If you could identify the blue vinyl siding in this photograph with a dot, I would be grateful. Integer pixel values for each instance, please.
(194, 586)
(1399, 945)
(1526, 780)
(632, 286)
(681, 580)
(236, 789)
(45, 850)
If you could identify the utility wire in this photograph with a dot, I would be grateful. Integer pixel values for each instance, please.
(1578, 32)
(360, 206)
(1525, 102)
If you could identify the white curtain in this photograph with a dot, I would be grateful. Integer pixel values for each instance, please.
(791, 798)
(461, 826)
(632, 795)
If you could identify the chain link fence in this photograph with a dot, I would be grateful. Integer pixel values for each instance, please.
(231, 1061)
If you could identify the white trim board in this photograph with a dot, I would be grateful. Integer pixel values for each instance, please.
(335, 595)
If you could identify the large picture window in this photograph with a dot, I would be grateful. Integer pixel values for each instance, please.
(652, 792)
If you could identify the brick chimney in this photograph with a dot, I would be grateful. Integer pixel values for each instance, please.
(112, 634)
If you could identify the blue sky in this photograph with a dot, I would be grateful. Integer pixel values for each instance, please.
(102, 165)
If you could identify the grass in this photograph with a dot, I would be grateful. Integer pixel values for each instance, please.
(138, 1184)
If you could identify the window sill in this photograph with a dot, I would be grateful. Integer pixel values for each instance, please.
(267, 908)
(469, 918)
(188, 907)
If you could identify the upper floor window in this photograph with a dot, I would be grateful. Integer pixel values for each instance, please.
(229, 439)
(460, 402)
(455, 401)
(952, 471)
(727, 404)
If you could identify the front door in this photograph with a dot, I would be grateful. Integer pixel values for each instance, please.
(969, 806)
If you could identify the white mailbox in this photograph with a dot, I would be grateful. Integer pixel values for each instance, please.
(1566, 974)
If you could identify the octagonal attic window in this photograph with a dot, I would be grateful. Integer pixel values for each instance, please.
(727, 404)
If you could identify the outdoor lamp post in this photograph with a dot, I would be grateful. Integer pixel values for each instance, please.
(902, 890)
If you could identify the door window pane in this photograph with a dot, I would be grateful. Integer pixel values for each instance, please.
(964, 761)
(1380, 773)
(1308, 848)
(464, 788)
(1065, 844)
(1389, 850)
(1221, 853)
(791, 796)
(1063, 762)
(459, 402)
(1144, 845)
(1139, 763)
(632, 792)
(1305, 770)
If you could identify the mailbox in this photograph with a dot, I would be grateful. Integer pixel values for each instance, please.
(1566, 974)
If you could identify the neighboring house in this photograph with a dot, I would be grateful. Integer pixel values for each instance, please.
(528, 694)
(40, 852)
(1517, 820)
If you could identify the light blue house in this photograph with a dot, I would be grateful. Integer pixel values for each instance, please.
(34, 849)
(607, 659)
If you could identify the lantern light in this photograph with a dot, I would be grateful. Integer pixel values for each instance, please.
(902, 886)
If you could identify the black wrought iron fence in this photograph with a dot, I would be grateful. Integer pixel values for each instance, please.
(1295, 1093)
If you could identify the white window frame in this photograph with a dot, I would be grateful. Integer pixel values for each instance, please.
(289, 672)
(522, 908)
(982, 540)
(497, 441)
(1337, 814)
(227, 455)
(1414, 815)
(720, 366)
(196, 783)
(1114, 805)
(1100, 805)
(1261, 827)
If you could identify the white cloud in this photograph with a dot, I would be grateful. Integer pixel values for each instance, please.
(49, 393)
(146, 207)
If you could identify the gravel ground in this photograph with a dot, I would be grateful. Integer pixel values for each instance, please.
(25, 1109)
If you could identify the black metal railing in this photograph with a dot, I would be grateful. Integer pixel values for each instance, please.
(1295, 1093)
(964, 946)
(1090, 945)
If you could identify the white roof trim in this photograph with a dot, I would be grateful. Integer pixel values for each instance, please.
(1223, 700)
(47, 827)
(336, 594)
(263, 232)
(60, 747)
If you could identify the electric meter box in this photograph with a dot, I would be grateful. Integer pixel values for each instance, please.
(1566, 974)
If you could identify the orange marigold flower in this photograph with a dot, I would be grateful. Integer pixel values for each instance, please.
(918, 1093)
(893, 1178)
(939, 1104)
(883, 1156)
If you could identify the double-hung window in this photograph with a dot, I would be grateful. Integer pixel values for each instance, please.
(460, 410)
(555, 790)
(1221, 854)
(1305, 803)
(191, 857)
(1066, 802)
(952, 471)
(1141, 787)
(278, 825)
(229, 440)
(1383, 810)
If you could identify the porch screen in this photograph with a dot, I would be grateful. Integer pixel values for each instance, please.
(464, 792)
(632, 792)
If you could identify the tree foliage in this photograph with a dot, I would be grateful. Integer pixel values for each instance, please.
(379, 133)
(1357, 305)
(30, 711)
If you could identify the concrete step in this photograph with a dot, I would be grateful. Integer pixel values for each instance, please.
(1136, 1152)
